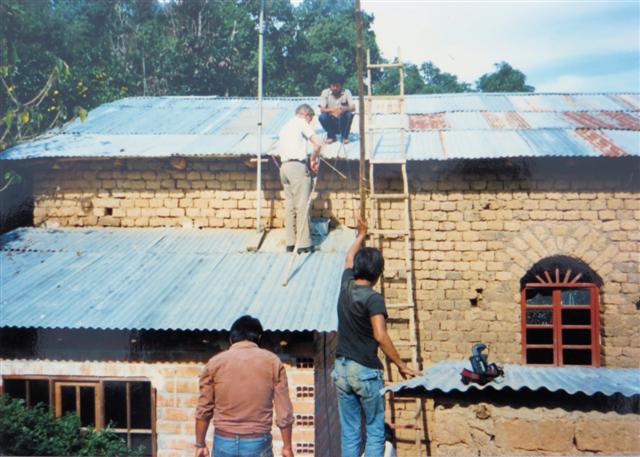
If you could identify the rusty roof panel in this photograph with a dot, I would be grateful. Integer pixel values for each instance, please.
(601, 142)
(589, 120)
(211, 126)
(507, 120)
(435, 121)
(627, 101)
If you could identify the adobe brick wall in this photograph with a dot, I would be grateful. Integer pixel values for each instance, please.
(577, 427)
(476, 225)
(177, 395)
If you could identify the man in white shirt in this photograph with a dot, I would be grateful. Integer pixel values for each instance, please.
(336, 110)
(295, 176)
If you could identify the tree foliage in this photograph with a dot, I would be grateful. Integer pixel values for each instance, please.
(504, 79)
(60, 58)
(35, 431)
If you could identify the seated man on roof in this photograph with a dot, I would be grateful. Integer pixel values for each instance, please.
(336, 110)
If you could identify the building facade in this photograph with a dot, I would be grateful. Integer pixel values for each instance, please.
(525, 236)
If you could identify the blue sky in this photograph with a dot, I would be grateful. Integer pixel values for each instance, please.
(562, 46)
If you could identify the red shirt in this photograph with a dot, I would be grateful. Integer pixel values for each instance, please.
(240, 387)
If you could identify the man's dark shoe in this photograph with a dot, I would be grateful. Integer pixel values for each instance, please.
(290, 248)
(305, 250)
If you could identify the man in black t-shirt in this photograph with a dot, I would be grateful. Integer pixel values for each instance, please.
(362, 328)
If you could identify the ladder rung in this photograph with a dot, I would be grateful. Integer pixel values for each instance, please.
(397, 426)
(404, 344)
(390, 232)
(384, 97)
(399, 305)
(387, 161)
(384, 65)
(386, 127)
(389, 196)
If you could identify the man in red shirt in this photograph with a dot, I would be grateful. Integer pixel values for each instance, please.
(239, 388)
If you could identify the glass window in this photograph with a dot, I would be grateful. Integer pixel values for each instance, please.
(126, 406)
(561, 324)
(115, 404)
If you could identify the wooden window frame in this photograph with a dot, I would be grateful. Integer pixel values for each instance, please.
(55, 400)
(556, 307)
(57, 395)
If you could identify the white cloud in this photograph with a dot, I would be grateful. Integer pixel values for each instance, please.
(466, 38)
(616, 82)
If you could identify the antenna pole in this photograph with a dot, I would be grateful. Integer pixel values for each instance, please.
(360, 107)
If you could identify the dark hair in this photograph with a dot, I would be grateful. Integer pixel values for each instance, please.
(246, 328)
(336, 79)
(368, 264)
(389, 434)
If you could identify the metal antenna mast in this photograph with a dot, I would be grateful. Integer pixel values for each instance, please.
(259, 161)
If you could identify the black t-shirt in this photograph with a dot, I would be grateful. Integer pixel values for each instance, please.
(356, 305)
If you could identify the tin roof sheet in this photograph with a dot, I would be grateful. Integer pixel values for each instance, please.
(468, 126)
(164, 279)
(445, 377)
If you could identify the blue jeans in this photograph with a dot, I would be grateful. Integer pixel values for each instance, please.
(359, 390)
(242, 447)
(334, 125)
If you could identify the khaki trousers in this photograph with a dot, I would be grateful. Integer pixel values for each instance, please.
(296, 182)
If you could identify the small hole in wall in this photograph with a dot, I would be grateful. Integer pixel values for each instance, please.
(108, 211)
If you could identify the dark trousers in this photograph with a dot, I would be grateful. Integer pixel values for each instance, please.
(334, 125)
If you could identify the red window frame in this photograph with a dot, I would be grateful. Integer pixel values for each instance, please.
(557, 326)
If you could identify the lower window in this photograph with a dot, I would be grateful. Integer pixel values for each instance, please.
(126, 406)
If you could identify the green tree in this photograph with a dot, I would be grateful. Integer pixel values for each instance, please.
(504, 79)
(326, 44)
(35, 431)
(426, 79)
(439, 82)
(389, 81)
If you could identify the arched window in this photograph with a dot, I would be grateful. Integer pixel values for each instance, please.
(561, 313)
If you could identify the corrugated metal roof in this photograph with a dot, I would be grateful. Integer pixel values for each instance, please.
(164, 279)
(470, 126)
(445, 377)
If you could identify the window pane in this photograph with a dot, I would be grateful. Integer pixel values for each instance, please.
(576, 336)
(87, 407)
(39, 391)
(139, 439)
(538, 296)
(576, 356)
(576, 317)
(123, 437)
(115, 404)
(68, 399)
(539, 317)
(540, 356)
(576, 297)
(539, 336)
(140, 404)
(15, 388)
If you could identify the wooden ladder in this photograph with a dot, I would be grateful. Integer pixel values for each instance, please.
(393, 159)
